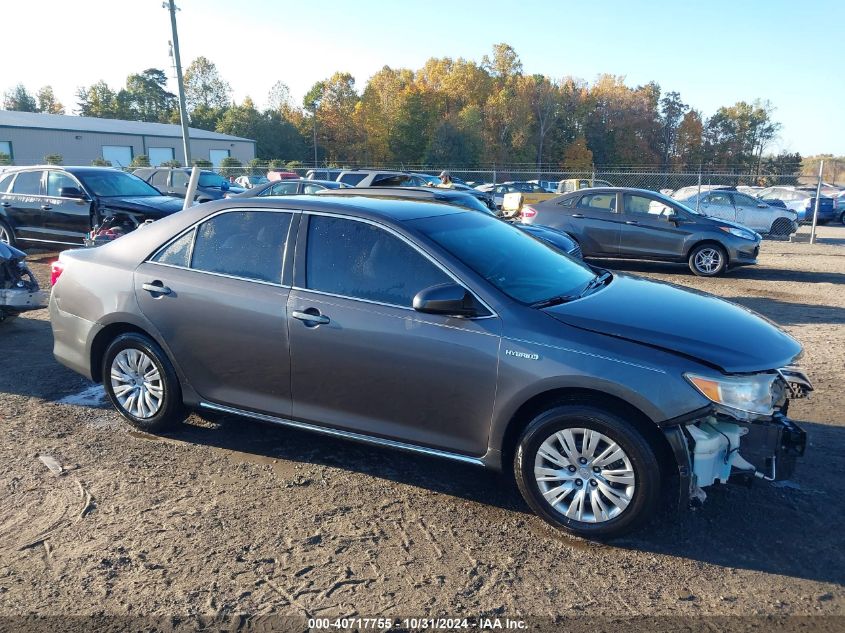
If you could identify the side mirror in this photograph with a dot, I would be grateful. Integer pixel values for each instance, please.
(71, 192)
(449, 299)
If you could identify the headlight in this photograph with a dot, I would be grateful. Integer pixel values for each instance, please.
(746, 235)
(757, 393)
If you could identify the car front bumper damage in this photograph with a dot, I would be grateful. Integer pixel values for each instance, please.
(712, 446)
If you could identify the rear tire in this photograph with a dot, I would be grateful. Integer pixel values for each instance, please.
(781, 228)
(7, 235)
(708, 260)
(842, 218)
(603, 482)
(142, 384)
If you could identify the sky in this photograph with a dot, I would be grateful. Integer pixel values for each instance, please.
(712, 52)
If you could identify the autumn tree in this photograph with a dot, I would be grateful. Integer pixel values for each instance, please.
(147, 97)
(47, 101)
(19, 99)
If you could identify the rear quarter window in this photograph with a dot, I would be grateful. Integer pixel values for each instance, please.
(28, 183)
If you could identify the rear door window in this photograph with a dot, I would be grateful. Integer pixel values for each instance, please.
(719, 199)
(28, 183)
(281, 189)
(361, 261)
(352, 179)
(598, 202)
(159, 180)
(246, 244)
(393, 180)
(5, 181)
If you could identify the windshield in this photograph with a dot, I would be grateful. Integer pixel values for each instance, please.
(111, 184)
(522, 267)
(210, 179)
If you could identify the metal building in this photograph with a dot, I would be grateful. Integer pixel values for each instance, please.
(28, 137)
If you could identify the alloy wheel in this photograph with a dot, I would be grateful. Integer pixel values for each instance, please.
(136, 383)
(708, 260)
(584, 475)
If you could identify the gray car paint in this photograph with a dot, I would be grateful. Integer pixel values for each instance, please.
(637, 236)
(443, 382)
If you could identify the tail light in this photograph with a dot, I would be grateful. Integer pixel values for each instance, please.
(56, 270)
(528, 211)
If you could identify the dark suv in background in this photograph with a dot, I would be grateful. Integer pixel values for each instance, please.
(174, 182)
(62, 205)
(624, 223)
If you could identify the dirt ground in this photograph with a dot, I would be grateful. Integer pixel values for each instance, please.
(229, 516)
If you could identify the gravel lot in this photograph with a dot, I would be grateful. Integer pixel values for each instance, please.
(228, 516)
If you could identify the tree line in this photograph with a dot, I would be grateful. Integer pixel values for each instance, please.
(453, 112)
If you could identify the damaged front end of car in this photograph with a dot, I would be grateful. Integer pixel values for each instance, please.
(114, 226)
(745, 434)
(19, 289)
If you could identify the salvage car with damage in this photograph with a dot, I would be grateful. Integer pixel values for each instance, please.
(440, 331)
(72, 206)
(19, 291)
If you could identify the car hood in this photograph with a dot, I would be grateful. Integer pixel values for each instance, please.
(690, 323)
(149, 206)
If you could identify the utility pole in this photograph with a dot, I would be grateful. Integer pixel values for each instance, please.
(315, 138)
(183, 111)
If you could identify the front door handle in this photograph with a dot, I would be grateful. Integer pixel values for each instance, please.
(156, 287)
(5, 204)
(631, 222)
(311, 317)
(577, 215)
(46, 207)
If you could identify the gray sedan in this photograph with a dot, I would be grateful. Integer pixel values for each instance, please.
(618, 222)
(434, 330)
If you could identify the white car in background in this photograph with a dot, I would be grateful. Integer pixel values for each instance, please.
(248, 182)
(727, 204)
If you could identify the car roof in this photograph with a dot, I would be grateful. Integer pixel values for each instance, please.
(376, 171)
(406, 192)
(367, 207)
(611, 190)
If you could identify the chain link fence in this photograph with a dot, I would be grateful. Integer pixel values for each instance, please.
(639, 177)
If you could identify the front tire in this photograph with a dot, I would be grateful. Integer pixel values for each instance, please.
(708, 260)
(142, 384)
(587, 471)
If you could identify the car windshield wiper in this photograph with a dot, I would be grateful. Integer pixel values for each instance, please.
(553, 301)
(595, 282)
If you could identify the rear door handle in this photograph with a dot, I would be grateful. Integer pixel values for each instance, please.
(577, 215)
(157, 288)
(46, 207)
(5, 204)
(311, 318)
(631, 222)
